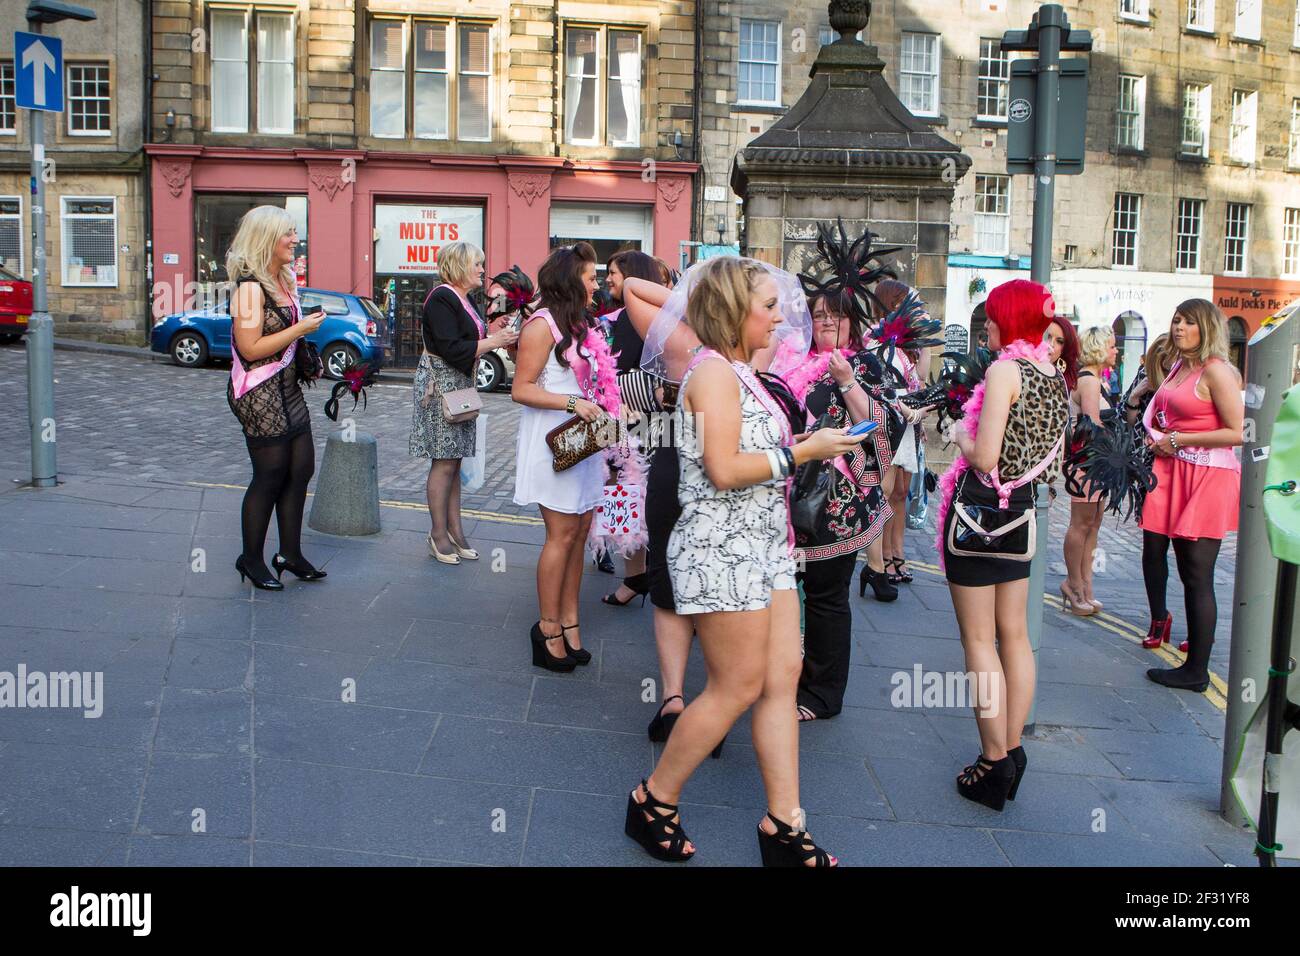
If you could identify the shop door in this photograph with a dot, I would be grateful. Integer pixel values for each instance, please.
(402, 300)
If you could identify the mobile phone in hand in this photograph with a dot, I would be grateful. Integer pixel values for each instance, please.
(862, 429)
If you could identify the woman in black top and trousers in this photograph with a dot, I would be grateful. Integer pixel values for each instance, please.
(454, 336)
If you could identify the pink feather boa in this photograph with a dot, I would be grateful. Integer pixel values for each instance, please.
(970, 422)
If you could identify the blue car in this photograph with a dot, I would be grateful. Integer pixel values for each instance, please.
(354, 330)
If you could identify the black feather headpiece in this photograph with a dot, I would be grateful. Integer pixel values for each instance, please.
(954, 385)
(844, 270)
(1106, 458)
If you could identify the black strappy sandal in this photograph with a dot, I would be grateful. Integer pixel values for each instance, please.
(988, 781)
(579, 654)
(652, 824)
(805, 714)
(790, 847)
(662, 725)
(900, 574)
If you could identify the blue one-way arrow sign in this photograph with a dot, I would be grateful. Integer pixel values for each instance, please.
(38, 61)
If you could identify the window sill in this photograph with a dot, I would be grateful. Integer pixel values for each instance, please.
(1196, 158)
(1120, 268)
(1134, 20)
(1239, 163)
(1199, 31)
(1140, 152)
(983, 123)
(1246, 40)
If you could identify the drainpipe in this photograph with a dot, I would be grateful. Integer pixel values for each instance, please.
(557, 64)
(697, 207)
(147, 165)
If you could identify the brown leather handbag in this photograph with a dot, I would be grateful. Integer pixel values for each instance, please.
(574, 440)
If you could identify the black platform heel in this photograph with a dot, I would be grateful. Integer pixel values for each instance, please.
(1017, 755)
(988, 781)
(304, 571)
(790, 847)
(579, 654)
(662, 725)
(650, 827)
(884, 589)
(637, 584)
(543, 658)
(267, 583)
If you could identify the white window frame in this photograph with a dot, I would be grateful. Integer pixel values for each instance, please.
(450, 37)
(1291, 243)
(67, 92)
(1239, 127)
(1203, 95)
(780, 58)
(1204, 22)
(1230, 236)
(1139, 89)
(1253, 28)
(405, 23)
(461, 25)
(598, 86)
(18, 218)
(1293, 147)
(64, 245)
(293, 72)
(246, 13)
(936, 76)
(984, 216)
(1002, 79)
(1189, 224)
(601, 135)
(1139, 10)
(9, 82)
(1136, 230)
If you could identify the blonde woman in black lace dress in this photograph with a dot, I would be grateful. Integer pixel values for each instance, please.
(263, 392)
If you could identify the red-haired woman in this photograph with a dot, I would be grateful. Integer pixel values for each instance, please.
(1020, 415)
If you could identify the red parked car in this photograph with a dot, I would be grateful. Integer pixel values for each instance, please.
(15, 306)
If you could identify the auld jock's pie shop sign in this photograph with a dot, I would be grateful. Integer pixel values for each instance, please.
(408, 238)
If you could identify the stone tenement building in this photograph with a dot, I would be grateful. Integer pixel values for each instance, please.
(1192, 185)
(94, 185)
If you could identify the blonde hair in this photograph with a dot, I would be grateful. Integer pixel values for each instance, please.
(456, 262)
(1094, 343)
(720, 302)
(1213, 326)
(260, 230)
(1158, 359)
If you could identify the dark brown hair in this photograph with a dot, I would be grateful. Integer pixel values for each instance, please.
(563, 292)
(638, 265)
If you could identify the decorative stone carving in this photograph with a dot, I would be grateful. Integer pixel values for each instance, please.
(328, 181)
(671, 191)
(528, 186)
(174, 175)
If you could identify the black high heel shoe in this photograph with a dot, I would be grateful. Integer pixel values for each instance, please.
(266, 583)
(651, 824)
(662, 725)
(304, 571)
(884, 589)
(637, 584)
(790, 847)
(988, 781)
(579, 654)
(1017, 755)
(604, 562)
(542, 657)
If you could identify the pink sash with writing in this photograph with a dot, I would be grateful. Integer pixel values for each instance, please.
(244, 381)
(1210, 457)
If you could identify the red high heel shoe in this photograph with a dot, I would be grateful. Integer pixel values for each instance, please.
(1159, 633)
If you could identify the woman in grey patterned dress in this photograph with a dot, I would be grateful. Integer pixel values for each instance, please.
(454, 337)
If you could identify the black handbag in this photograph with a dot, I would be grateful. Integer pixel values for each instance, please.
(307, 363)
(812, 488)
(982, 530)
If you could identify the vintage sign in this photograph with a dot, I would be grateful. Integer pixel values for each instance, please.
(408, 238)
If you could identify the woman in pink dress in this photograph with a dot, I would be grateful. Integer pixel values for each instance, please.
(1193, 422)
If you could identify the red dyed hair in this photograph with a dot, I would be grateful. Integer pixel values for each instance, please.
(1022, 310)
(1069, 351)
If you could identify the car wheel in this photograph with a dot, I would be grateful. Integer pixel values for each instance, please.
(9, 338)
(489, 374)
(338, 358)
(189, 349)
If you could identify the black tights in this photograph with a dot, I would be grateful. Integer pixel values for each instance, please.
(280, 476)
(1196, 559)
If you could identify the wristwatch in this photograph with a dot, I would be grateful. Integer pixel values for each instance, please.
(572, 405)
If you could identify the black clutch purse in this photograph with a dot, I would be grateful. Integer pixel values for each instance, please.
(307, 363)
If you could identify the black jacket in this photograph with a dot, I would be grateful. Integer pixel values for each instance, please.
(448, 332)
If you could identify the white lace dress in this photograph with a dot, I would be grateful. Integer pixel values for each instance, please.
(729, 549)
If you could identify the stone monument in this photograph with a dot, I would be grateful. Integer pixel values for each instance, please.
(850, 148)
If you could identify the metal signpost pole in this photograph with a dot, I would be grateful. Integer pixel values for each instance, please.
(40, 331)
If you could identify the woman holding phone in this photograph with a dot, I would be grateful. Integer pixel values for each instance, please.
(263, 392)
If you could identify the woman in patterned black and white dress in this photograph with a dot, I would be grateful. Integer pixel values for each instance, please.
(731, 561)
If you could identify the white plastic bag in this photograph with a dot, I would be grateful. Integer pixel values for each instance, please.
(473, 471)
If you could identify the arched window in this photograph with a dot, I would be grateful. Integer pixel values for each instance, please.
(1131, 340)
(1237, 344)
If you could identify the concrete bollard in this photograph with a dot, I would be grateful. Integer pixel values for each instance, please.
(347, 486)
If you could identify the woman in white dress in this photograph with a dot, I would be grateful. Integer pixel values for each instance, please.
(730, 555)
(555, 379)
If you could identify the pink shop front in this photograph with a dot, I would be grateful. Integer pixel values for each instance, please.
(371, 223)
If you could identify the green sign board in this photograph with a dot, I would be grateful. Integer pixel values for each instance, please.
(1072, 116)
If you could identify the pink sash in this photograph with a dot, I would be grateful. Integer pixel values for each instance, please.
(244, 381)
(1210, 457)
(579, 363)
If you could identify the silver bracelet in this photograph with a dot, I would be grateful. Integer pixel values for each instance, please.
(774, 462)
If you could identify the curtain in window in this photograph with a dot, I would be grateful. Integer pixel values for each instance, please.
(624, 94)
(580, 90)
(229, 71)
(275, 74)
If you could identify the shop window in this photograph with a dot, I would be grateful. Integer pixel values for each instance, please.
(1130, 331)
(596, 59)
(216, 219)
(437, 86)
(89, 241)
(11, 234)
(89, 100)
(8, 104)
(1237, 344)
(252, 63)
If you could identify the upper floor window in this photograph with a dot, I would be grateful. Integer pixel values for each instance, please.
(993, 215)
(1236, 238)
(89, 102)
(1187, 257)
(1130, 110)
(1241, 135)
(1293, 153)
(1200, 15)
(994, 80)
(8, 105)
(11, 234)
(1250, 19)
(252, 66)
(1124, 236)
(759, 80)
(1196, 120)
(1134, 9)
(918, 66)
(602, 64)
(436, 86)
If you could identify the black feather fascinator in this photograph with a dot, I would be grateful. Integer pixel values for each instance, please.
(954, 385)
(845, 270)
(1107, 458)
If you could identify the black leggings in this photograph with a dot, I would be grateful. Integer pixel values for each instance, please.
(280, 476)
(1196, 559)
